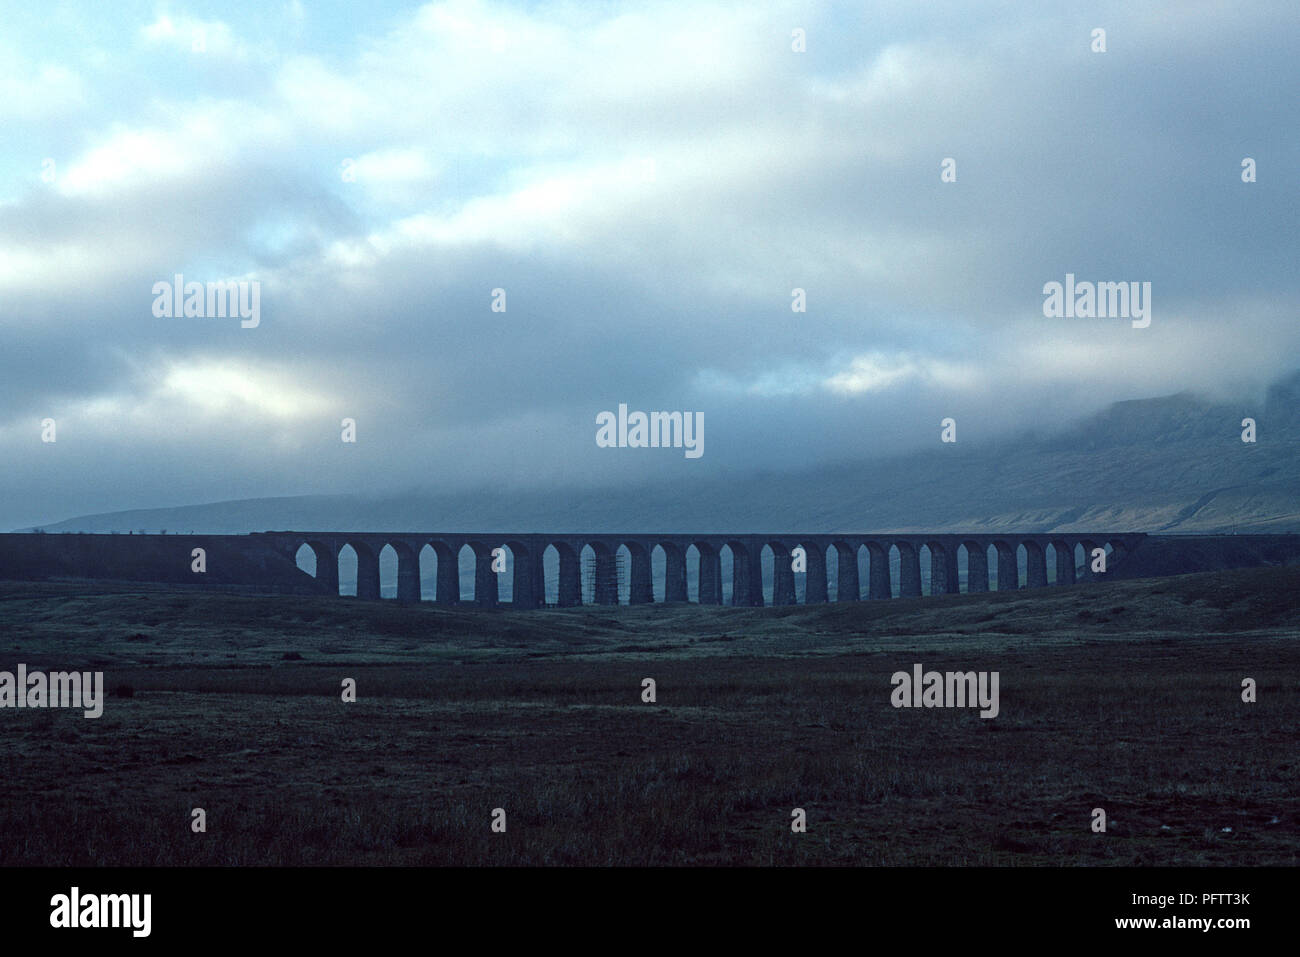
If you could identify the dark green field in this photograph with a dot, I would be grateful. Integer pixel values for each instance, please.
(1124, 696)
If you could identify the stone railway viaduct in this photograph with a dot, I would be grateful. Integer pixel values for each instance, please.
(526, 567)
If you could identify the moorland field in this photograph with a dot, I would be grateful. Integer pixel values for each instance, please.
(1121, 695)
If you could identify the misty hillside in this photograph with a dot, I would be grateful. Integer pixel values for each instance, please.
(1171, 464)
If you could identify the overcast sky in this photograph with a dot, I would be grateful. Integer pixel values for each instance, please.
(648, 183)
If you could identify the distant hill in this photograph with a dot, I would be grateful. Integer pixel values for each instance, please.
(1171, 464)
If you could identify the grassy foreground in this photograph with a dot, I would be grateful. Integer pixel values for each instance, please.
(1124, 696)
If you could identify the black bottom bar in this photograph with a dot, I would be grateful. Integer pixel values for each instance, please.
(663, 908)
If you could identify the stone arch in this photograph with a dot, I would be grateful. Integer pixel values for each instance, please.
(727, 570)
(427, 567)
(324, 564)
(1062, 564)
(465, 573)
(1022, 563)
(447, 591)
(1035, 564)
(672, 558)
(568, 564)
(367, 575)
(347, 575)
(847, 578)
(487, 590)
(524, 582)
(387, 556)
(307, 559)
(815, 582)
(778, 584)
(640, 578)
(600, 575)
(490, 586)
(925, 563)
(909, 570)
(399, 571)
(1084, 552)
(945, 577)
(880, 579)
(1008, 565)
(1116, 550)
(977, 567)
(550, 566)
(658, 562)
(691, 560)
(710, 576)
(746, 575)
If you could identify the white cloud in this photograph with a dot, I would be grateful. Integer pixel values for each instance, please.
(225, 386)
(193, 35)
(32, 91)
(127, 157)
(878, 372)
